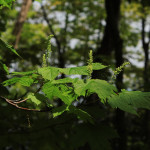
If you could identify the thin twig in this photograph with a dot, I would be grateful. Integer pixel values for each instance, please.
(14, 103)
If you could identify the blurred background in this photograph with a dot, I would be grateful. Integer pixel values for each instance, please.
(117, 31)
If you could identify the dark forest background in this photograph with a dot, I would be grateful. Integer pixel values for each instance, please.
(117, 31)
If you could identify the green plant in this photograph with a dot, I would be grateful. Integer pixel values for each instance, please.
(119, 69)
(69, 90)
(6, 3)
(4, 45)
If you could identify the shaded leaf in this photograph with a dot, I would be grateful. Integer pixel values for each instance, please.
(4, 67)
(81, 114)
(129, 101)
(11, 81)
(4, 46)
(59, 110)
(23, 73)
(3, 90)
(25, 81)
(96, 136)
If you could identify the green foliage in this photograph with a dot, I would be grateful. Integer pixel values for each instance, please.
(6, 3)
(100, 87)
(81, 70)
(11, 81)
(24, 81)
(68, 97)
(38, 0)
(119, 69)
(81, 114)
(44, 61)
(24, 73)
(5, 46)
(48, 52)
(49, 49)
(69, 90)
(59, 110)
(62, 91)
(90, 61)
(129, 101)
(33, 98)
(94, 139)
(4, 67)
(51, 73)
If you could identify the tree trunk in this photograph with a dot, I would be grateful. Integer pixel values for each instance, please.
(111, 33)
(119, 121)
(112, 22)
(145, 46)
(20, 21)
(113, 42)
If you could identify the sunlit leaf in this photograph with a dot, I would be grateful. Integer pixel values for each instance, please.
(49, 73)
(33, 98)
(102, 88)
(60, 91)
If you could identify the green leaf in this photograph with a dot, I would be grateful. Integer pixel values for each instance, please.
(4, 45)
(100, 87)
(33, 98)
(81, 70)
(4, 67)
(129, 101)
(26, 81)
(39, 1)
(6, 3)
(63, 92)
(81, 114)
(41, 97)
(72, 109)
(98, 66)
(11, 81)
(75, 70)
(49, 90)
(49, 73)
(65, 80)
(24, 73)
(79, 88)
(59, 110)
